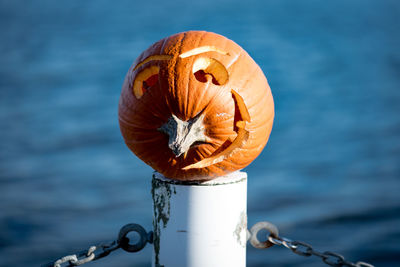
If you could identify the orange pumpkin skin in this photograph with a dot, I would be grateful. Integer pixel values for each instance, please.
(177, 90)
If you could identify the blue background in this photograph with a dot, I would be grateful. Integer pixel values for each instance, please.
(329, 175)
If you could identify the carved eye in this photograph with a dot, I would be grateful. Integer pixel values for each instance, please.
(144, 80)
(209, 66)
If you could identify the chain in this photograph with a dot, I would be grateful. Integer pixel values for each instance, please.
(300, 248)
(103, 250)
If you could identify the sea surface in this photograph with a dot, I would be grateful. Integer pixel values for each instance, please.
(329, 175)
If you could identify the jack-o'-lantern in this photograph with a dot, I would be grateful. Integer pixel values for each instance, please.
(195, 106)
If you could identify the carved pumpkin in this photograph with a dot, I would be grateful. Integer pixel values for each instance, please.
(195, 106)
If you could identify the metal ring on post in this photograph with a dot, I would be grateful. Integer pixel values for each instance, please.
(123, 240)
(274, 232)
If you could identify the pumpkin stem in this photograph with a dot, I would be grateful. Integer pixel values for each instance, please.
(182, 134)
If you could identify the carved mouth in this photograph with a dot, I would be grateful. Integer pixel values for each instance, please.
(238, 142)
(183, 134)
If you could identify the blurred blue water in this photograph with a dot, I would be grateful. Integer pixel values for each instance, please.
(330, 174)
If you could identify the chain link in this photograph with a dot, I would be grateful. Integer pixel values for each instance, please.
(103, 250)
(300, 248)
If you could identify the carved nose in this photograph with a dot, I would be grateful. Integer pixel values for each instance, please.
(177, 149)
(182, 134)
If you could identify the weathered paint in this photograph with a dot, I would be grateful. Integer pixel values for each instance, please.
(240, 232)
(161, 194)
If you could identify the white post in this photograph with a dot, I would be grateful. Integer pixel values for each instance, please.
(200, 224)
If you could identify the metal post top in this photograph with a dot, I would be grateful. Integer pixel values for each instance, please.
(231, 178)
